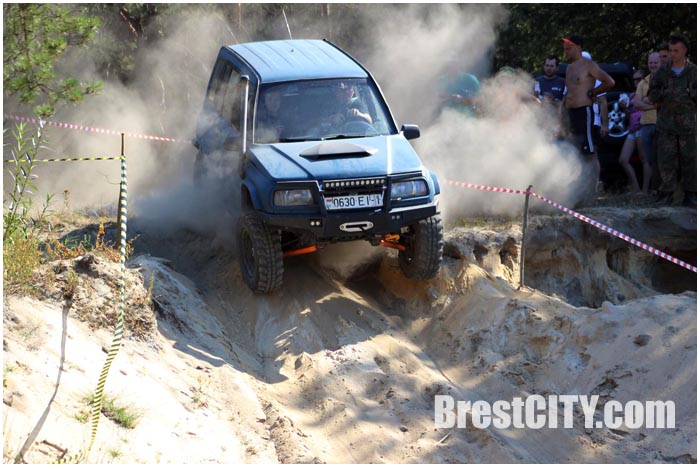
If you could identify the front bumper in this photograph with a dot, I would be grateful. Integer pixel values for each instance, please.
(352, 224)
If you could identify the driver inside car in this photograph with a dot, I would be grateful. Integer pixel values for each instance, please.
(270, 123)
(348, 107)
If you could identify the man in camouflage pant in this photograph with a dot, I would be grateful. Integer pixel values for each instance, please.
(674, 89)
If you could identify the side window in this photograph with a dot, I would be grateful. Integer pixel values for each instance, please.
(231, 99)
(220, 75)
(225, 92)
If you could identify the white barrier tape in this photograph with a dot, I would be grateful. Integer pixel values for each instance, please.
(72, 126)
(585, 219)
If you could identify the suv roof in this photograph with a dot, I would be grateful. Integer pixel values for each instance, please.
(276, 61)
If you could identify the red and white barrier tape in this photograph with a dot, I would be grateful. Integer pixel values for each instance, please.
(72, 126)
(583, 218)
(486, 187)
(618, 234)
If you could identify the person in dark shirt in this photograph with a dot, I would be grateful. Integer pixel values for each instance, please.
(348, 107)
(550, 89)
(664, 53)
(550, 85)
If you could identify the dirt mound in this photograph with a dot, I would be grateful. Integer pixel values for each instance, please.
(89, 286)
(496, 343)
(343, 364)
(586, 266)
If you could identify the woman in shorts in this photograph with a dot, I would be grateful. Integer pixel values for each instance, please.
(634, 140)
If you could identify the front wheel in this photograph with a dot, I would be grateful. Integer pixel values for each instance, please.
(260, 254)
(423, 255)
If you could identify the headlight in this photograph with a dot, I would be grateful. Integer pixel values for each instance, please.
(409, 189)
(293, 198)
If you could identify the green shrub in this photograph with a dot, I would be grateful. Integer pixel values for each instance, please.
(21, 256)
(21, 253)
(18, 201)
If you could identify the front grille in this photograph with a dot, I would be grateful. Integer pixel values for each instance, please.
(359, 185)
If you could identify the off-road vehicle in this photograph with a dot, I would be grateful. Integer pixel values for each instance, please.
(319, 156)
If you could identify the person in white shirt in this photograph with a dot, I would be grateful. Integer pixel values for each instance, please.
(600, 107)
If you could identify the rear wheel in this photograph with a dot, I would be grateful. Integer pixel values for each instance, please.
(423, 254)
(260, 254)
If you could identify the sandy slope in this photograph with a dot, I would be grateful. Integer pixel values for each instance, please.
(332, 370)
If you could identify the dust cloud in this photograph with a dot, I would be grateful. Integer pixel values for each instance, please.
(345, 260)
(162, 98)
(510, 145)
(410, 49)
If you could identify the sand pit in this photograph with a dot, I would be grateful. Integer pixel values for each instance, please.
(343, 365)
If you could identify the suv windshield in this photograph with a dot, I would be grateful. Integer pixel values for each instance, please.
(320, 110)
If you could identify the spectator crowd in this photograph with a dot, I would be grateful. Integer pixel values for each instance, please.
(660, 115)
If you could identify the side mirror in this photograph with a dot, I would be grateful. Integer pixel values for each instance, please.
(410, 131)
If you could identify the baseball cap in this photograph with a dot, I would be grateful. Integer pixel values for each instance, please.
(573, 39)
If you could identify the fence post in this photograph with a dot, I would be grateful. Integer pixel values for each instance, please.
(119, 206)
(522, 242)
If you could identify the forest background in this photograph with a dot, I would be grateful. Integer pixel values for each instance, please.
(39, 39)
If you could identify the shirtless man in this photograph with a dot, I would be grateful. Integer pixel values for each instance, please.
(581, 76)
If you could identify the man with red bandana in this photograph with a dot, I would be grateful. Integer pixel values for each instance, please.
(581, 76)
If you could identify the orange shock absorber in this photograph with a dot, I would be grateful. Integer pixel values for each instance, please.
(300, 251)
(390, 241)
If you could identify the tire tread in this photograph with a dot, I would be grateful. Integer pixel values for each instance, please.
(423, 260)
(267, 251)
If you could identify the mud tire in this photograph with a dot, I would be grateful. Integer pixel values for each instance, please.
(260, 254)
(423, 255)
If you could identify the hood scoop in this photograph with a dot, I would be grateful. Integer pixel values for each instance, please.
(329, 149)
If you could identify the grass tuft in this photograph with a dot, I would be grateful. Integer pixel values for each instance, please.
(126, 416)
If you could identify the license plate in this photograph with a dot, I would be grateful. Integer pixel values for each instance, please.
(354, 201)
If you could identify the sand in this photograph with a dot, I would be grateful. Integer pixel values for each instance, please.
(340, 367)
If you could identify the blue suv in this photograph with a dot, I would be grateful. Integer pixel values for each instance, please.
(319, 156)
